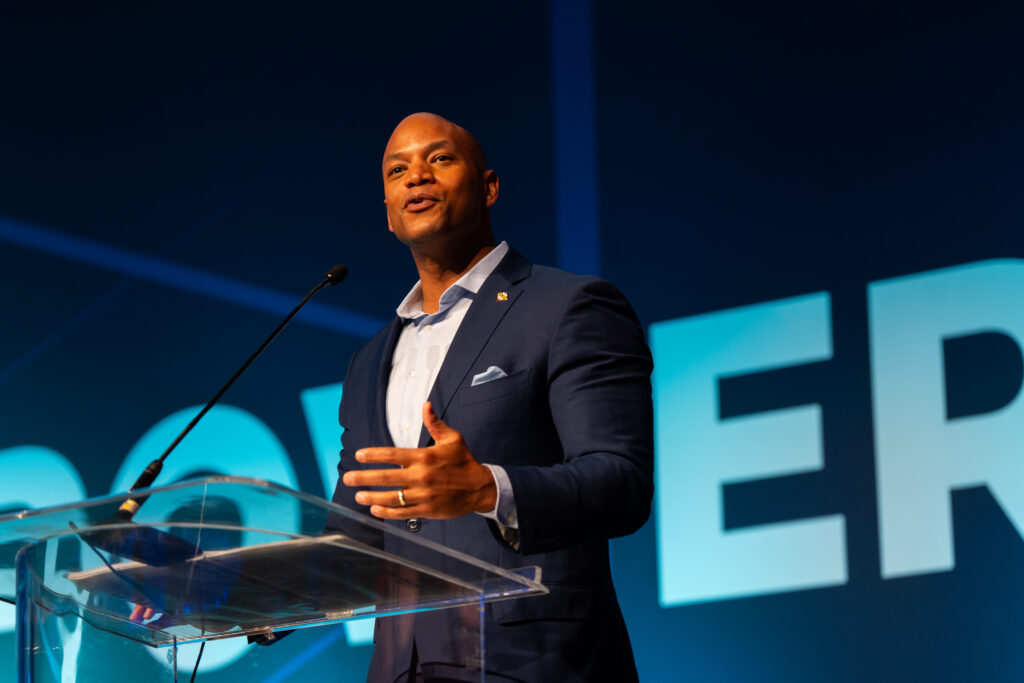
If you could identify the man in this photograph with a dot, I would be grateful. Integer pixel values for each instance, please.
(516, 400)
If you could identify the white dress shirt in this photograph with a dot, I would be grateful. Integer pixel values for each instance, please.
(421, 349)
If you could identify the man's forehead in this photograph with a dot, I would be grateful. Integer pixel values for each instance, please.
(408, 146)
(425, 130)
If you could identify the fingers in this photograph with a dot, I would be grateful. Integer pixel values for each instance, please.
(394, 456)
(435, 425)
(136, 617)
(386, 498)
(384, 512)
(141, 613)
(398, 477)
(389, 505)
(392, 478)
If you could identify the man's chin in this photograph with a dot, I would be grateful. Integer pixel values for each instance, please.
(441, 236)
(421, 235)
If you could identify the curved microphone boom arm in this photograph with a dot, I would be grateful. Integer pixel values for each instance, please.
(130, 506)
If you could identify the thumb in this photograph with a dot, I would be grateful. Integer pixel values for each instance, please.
(435, 425)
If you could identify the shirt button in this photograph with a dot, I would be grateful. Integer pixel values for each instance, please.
(428, 328)
(413, 524)
(405, 426)
(412, 373)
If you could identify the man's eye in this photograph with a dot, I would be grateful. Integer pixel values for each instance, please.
(395, 170)
(443, 157)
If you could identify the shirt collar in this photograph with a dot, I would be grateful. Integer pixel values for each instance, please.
(469, 284)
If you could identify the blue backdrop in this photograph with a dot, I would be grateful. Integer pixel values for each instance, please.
(814, 209)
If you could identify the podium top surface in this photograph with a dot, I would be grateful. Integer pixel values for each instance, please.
(226, 556)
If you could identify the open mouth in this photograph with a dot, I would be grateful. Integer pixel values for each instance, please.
(419, 202)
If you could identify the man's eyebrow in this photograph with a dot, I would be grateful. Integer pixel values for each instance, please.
(430, 147)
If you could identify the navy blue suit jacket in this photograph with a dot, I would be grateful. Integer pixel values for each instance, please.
(572, 426)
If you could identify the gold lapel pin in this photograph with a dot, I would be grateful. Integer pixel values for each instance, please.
(502, 296)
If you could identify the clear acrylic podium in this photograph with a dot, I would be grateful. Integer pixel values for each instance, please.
(224, 557)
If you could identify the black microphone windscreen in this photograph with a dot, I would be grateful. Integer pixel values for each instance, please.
(337, 274)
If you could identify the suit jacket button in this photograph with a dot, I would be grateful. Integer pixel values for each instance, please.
(413, 524)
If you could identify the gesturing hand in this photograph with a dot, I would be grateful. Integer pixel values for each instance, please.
(437, 482)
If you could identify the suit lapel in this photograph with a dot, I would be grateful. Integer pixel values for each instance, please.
(477, 327)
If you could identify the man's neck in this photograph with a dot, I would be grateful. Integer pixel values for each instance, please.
(439, 273)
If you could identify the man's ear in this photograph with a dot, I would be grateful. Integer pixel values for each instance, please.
(390, 229)
(490, 187)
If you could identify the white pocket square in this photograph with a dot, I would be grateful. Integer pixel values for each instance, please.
(489, 375)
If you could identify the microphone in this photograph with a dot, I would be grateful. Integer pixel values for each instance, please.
(130, 506)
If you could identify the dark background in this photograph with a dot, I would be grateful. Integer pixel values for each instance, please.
(744, 153)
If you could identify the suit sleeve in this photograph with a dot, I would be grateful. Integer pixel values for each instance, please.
(601, 482)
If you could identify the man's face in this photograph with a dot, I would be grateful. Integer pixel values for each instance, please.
(434, 186)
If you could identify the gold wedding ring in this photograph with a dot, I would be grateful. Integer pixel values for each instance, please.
(401, 498)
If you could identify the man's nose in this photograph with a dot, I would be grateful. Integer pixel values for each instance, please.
(419, 173)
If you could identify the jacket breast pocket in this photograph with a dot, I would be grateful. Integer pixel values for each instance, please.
(498, 388)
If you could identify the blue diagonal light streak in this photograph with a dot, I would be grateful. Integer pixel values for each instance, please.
(68, 326)
(304, 656)
(185, 278)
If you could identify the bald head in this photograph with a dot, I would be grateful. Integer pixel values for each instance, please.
(440, 127)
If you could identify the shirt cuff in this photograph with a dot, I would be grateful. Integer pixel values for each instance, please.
(504, 512)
